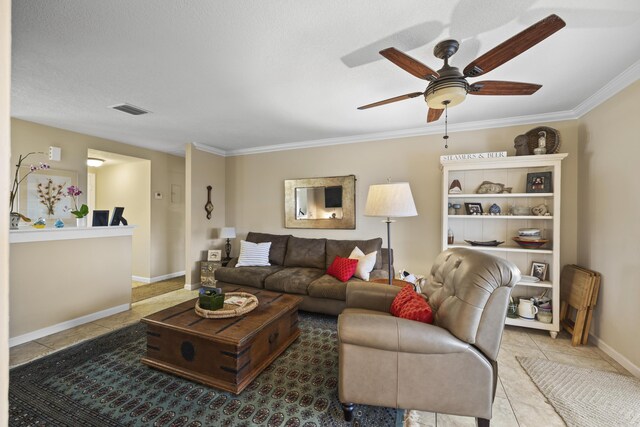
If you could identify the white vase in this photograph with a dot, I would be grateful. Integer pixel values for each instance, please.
(81, 222)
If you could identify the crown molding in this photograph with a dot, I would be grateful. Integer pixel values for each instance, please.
(407, 133)
(624, 79)
(621, 81)
(209, 149)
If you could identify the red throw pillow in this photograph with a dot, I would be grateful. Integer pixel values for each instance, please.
(342, 268)
(409, 305)
(417, 309)
(401, 299)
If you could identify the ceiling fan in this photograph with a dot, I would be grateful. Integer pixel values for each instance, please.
(448, 86)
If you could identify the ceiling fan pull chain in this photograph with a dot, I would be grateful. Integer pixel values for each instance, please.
(446, 121)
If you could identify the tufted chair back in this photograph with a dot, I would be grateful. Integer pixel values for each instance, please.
(468, 291)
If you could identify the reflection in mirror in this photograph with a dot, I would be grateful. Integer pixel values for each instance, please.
(319, 202)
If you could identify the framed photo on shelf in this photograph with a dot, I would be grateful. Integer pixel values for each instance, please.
(214, 255)
(473, 208)
(539, 182)
(539, 270)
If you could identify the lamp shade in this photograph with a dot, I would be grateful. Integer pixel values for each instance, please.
(390, 200)
(228, 233)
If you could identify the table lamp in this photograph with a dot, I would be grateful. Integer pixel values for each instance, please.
(227, 233)
(390, 200)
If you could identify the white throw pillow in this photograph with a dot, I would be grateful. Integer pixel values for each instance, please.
(365, 262)
(253, 254)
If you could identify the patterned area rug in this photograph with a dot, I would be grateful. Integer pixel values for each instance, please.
(103, 383)
(586, 397)
(154, 289)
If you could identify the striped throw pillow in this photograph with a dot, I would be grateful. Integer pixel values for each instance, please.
(253, 254)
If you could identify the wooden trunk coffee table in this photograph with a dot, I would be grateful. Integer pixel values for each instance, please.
(224, 353)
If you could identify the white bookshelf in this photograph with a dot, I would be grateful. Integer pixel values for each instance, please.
(511, 171)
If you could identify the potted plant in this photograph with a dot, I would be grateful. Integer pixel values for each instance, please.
(80, 214)
(15, 217)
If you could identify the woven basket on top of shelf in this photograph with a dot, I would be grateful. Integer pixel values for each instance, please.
(229, 310)
(552, 139)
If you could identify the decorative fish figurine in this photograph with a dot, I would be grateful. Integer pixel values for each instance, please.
(488, 187)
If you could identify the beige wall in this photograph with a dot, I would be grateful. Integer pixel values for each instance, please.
(167, 219)
(255, 187)
(5, 150)
(128, 185)
(80, 277)
(609, 234)
(202, 169)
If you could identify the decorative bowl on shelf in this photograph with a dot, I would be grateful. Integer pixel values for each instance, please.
(530, 244)
(487, 243)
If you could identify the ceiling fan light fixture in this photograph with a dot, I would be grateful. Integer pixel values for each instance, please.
(453, 91)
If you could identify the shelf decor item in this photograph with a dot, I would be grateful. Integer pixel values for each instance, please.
(486, 243)
(473, 208)
(455, 187)
(488, 187)
(539, 270)
(539, 182)
(530, 244)
(551, 139)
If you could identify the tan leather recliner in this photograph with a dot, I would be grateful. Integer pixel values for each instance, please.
(449, 367)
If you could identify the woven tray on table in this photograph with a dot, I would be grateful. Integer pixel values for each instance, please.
(229, 310)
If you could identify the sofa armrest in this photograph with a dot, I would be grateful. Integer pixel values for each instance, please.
(396, 334)
(232, 263)
(372, 296)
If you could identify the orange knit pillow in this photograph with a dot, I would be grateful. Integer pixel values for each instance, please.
(342, 268)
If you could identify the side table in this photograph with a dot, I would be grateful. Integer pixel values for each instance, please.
(207, 269)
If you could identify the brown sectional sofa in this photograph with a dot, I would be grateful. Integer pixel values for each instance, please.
(298, 266)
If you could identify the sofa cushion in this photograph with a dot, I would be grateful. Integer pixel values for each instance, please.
(344, 248)
(342, 268)
(306, 253)
(246, 276)
(293, 280)
(278, 245)
(329, 287)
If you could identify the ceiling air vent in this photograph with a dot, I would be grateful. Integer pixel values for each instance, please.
(129, 109)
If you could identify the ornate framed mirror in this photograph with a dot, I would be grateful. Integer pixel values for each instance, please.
(320, 202)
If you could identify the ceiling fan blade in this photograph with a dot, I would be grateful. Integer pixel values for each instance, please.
(409, 64)
(390, 100)
(514, 46)
(433, 115)
(495, 87)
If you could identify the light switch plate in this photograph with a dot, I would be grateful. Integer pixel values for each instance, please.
(55, 153)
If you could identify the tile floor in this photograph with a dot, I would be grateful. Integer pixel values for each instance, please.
(518, 401)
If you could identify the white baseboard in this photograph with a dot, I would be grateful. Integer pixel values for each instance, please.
(192, 286)
(63, 326)
(157, 278)
(626, 363)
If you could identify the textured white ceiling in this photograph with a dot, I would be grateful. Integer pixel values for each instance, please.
(244, 73)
